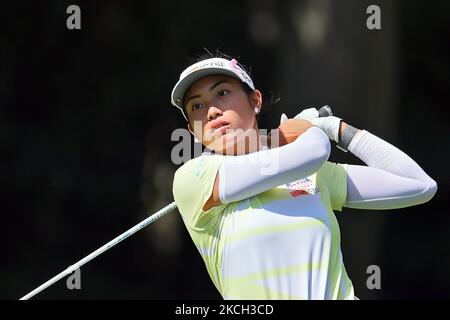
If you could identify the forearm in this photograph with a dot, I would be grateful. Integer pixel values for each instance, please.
(393, 180)
(377, 153)
(244, 176)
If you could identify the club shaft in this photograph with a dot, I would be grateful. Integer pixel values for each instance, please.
(102, 249)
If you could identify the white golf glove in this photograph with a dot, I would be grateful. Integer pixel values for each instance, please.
(329, 125)
(307, 114)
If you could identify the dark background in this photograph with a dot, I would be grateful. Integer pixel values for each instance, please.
(86, 120)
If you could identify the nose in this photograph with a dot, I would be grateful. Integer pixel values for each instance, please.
(214, 112)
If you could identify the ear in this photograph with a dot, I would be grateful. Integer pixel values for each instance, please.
(192, 131)
(189, 127)
(256, 99)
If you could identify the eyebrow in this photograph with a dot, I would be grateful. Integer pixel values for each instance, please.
(210, 89)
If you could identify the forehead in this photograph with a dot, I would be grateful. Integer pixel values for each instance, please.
(203, 84)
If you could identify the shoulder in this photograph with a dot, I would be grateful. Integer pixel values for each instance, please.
(195, 178)
(198, 167)
(192, 186)
(333, 177)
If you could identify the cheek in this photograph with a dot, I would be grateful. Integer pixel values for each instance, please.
(246, 116)
(198, 126)
(241, 109)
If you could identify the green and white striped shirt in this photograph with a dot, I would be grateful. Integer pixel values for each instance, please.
(283, 243)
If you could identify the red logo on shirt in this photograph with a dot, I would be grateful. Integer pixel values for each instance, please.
(302, 187)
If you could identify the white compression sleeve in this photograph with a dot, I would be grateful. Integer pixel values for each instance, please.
(244, 176)
(391, 180)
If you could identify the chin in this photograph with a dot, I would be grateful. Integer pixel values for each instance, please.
(230, 144)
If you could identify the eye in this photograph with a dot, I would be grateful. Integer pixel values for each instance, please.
(223, 92)
(195, 106)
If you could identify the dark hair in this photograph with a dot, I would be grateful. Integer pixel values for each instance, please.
(219, 54)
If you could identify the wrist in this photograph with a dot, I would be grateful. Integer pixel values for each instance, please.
(342, 127)
(346, 135)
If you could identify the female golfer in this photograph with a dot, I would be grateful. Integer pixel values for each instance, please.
(262, 215)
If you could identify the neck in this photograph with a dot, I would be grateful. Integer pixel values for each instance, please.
(261, 144)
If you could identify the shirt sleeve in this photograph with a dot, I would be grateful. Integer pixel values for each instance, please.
(245, 176)
(334, 175)
(391, 179)
(376, 189)
(192, 186)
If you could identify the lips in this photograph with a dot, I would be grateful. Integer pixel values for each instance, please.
(223, 129)
(219, 124)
